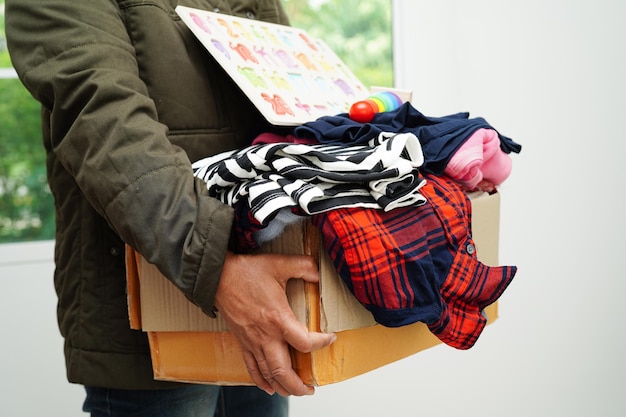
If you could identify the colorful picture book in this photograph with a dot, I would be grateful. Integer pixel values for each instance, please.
(291, 77)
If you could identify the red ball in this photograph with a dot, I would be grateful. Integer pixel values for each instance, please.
(362, 112)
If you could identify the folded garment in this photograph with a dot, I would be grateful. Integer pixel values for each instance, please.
(480, 161)
(316, 178)
(417, 263)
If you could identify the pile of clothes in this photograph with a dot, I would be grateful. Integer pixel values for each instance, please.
(390, 198)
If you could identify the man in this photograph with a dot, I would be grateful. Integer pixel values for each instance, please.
(129, 98)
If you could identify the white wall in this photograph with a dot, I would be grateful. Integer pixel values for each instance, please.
(32, 371)
(547, 73)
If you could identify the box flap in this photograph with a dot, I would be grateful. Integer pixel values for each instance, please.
(486, 227)
(132, 283)
(340, 310)
(165, 308)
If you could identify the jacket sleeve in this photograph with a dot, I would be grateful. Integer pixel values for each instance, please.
(77, 60)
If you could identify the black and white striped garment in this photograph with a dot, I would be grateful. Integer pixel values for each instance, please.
(384, 174)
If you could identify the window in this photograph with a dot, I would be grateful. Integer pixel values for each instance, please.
(26, 210)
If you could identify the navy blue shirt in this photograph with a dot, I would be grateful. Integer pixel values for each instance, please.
(440, 137)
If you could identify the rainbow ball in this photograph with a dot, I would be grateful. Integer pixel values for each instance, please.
(363, 111)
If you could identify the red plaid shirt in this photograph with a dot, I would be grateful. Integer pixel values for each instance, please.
(417, 263)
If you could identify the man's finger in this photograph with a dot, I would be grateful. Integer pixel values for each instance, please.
(297, 266)
(281, 375)
(274, 373)
(303, 340)
(255, 373)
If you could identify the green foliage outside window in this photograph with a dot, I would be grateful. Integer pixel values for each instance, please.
(358, 31)
(26, 211)
(26, 205)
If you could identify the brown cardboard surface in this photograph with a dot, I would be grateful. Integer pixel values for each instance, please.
(186, 345)
(486, 227)
(164, 308)
(205, 357)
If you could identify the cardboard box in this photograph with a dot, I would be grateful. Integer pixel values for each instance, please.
(188, 346)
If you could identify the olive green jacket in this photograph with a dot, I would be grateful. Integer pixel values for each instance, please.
(129, 98)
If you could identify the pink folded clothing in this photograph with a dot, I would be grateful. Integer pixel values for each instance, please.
(270, 137)
(479, 162)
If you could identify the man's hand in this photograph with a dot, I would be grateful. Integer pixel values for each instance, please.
(251, 297)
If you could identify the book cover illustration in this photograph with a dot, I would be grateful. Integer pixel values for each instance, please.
(291, 77)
